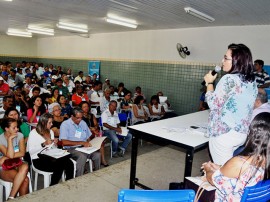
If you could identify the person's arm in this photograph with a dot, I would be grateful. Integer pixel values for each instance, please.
(32, 113)
(117, 129)
(135, 112)
(266, 85)
(75, 143)
(56, 131)
(162, 111)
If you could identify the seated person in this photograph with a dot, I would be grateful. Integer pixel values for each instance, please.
(156, 110)
(40, 138)
(92, 123)
(126, 103)
(111, 126)
(12, 146)
(65, 107)
(55, 110)
(166, 104)
(246, 169)
(113, 92)
(79, 96)
(21, 102)
(75, 133)
(261, 103)
(23, 127)
(121, 89)
(138, 91)
(54, 96)
(139, 115)
(95, 96)
(105, 100)
(4, 87)
(203, 104)
(8, 102)
(36, 111)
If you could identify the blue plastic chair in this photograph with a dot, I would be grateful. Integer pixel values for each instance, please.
(123, 118)
(132, 195)
(257, 193)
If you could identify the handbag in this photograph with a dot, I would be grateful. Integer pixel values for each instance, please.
(201, 193)
(11, 163)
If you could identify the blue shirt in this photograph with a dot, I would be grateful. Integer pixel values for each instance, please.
(69, 129)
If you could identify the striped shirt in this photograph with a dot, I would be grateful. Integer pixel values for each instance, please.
(261, 78)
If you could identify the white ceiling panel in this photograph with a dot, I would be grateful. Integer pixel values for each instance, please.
(149, 14)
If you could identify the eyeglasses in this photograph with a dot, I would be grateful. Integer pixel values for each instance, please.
(56, 110)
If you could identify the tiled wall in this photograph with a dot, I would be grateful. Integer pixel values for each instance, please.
(180, 82)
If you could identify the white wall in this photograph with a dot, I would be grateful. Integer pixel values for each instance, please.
(206, 44)
(18, 46)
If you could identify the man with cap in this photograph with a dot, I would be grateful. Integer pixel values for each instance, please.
(53, 80)
(106, 84)
(4, 87)
(63, 90)
(7, 80)
(80, 77)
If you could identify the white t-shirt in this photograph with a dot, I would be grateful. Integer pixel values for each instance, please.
(110, 119)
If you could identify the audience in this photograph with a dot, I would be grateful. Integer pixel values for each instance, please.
(39, 139)
(155, 108)
(75, 133)
(12, 146)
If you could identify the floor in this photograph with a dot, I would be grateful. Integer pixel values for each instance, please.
(157, 166)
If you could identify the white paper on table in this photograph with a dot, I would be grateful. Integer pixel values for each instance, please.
(124, 131)
(55, 153)
(96, 144)
(174, 129)
(198, 181)
(87, 150)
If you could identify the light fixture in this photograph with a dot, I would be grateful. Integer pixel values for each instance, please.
(39, 30)
(199, 14)
(121, 21)
(15, 32)
(73, 27)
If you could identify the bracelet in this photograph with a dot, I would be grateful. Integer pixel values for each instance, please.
(206, 84)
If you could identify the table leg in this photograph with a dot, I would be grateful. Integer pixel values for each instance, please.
(134, 152)
(189, 161)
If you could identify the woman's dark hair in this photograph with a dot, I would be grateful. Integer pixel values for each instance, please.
(6, 122)
(242, 62)
(138, 99)
(59, 97)
(42, 108)
(121, 84)
(54, 90)
(154, 97)
(10, 109)
(258, 142)
(42, 124)
(127, 92)
(84, 102)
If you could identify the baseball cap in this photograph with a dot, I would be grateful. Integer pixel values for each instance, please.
(107, 79)
(1, 78)
(54, 77)
(4, 73)
(47, 74)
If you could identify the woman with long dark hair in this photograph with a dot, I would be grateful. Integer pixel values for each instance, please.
(231, 103)
(12, 146)
(36, 111)
(40, 138)
(249, 167)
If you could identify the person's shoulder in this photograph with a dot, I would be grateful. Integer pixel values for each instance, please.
(20, 135)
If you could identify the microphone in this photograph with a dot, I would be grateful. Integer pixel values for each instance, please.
(215, 71)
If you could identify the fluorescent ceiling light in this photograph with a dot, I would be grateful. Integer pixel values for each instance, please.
(121, 22)
(39, 30)
(7, 0)
(14, 32)
(73, 27)
(199, 14)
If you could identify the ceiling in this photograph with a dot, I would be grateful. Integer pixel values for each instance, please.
(149, 14)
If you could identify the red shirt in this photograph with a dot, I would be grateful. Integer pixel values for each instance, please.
(4, 88)
(78, 99)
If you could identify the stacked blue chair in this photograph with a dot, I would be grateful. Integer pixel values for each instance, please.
(132, 195)
(257, 193)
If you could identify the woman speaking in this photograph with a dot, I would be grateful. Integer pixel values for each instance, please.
(231, 103)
